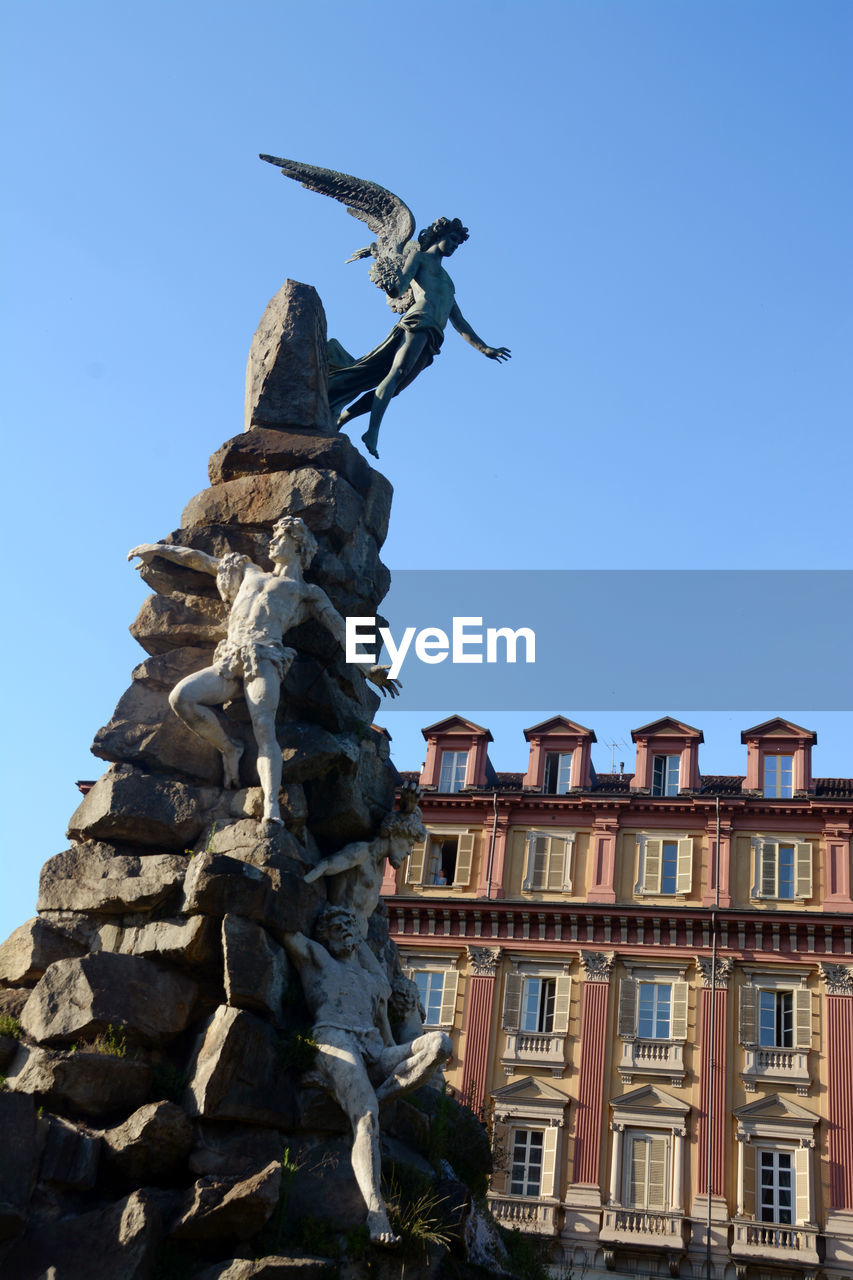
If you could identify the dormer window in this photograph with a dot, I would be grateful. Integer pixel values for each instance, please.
(453, 767)
(558, 769)
(665, 775)
(779, 776)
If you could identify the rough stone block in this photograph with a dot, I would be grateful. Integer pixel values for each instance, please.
(287, 373)
(27, 952)
(223, 1152)
(263, 450)
(377, 506)
(96, 1084)
(145, 731)
(117, 1242)
(237, 1073)
(13, 999)
(17, 1168)
(193, 942)
(324, 500)
(179, 622)
(256, 968)
(80, 998)
(92, 877)
(216, 884)
(153, 1142)
(71, 1156)
(145, 808)
(229, 1211)
(291, 1266)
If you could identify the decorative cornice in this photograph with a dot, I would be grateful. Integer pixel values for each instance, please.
(597, 965)
(714, 973)
(838, 979)
(484, 960)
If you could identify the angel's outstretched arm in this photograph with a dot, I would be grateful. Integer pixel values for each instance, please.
(461, 325)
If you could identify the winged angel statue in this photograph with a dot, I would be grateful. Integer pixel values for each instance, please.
(419, 290)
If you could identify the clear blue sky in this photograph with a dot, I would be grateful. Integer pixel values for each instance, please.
(659, 197)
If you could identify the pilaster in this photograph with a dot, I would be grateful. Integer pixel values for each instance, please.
(836, 837)
(719, 863)
(839, 1084)
(588, 1124)
(711, 1109)
(604, 833)
(477, 1025)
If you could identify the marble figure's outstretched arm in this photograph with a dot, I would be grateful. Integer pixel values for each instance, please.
(352, 855)
(187, 556)
(324, 611)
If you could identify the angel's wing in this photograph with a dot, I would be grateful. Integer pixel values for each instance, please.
(386, 215)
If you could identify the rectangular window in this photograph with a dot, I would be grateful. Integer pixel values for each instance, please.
(647, 1171)
(784, 870)
(776, 1019)
(558, 768)
(776, 1187)
(669, 867)
(527, 1148)
(453, 766)
(548, 862)
(665, 771)
(654, 1009)
(537, 1012)
(779, 776)
(441, 865)
(431, 991)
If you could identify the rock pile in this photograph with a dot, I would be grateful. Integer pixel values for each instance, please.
(156, 1115)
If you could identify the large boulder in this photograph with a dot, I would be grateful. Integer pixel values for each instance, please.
(27, 952)
(238, 1072)
(287, 373)
(151, 1143)
(93, 877)
(323, 499)
(256, 968)
(146, 808)
(179, 621)
(235, 1210)
(115, 1242)
(291, 1266)
(95, 1084)
(193, 942)
(262, 450)
(82, 998)
(71, 1156)
(18, 1166)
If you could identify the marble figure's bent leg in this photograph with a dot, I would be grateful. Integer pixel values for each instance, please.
(409, 1065)
(262, 694)
(191, 700)
(340, 1064)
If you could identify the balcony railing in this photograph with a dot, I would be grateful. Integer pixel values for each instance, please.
(535, 1049)
(643, 1227)
(776, 1066)
(534, 1216)
(652, 1057)
(775, 1242)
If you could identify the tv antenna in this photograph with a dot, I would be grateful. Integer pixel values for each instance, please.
(616, 742)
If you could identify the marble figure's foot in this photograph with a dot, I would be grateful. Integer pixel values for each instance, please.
(231, 760)
(380, 1228)
(370, 443)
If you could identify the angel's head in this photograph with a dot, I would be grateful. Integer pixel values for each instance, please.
(450, 230)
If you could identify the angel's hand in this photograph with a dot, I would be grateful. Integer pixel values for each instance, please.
(497, 353)
(379, 676)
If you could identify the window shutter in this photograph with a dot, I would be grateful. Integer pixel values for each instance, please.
(769, 860)
(415, 869)
(562, 993)
(537, 862)
(802, 1177)
(549, 1161)
(464, 860)
(802, 1018)
(502, 1158)
(658, 1151)
(804, 870)
(684, 878)
(651, 866)
(747, 1151)
(512, 1001)
(627, 1007)
(556, 862)
(678, 1026)
(448, 999)
(748, 1015)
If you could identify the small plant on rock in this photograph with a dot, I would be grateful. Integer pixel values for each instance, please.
(113, 1042)
(10, 1026)
(415, 1210)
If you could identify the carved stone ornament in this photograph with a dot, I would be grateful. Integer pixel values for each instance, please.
(714, 973)
(597, 965)
(838, 978)
(484, 960)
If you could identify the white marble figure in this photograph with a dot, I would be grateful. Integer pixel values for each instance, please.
(253, 658)
(355, 872)
(357, 1058)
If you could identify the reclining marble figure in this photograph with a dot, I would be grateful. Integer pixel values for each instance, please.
(357, 1059)
(253, 658)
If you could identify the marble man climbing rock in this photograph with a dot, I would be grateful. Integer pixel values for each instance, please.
(253, 658)
(418, 288)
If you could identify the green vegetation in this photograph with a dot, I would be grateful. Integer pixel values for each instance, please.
(113, 1042)
(527, 1257)
(4, 1080)
(297, 1051)
(271, 1238)
(10, 1026)
(459, 1136)
(416, 1210)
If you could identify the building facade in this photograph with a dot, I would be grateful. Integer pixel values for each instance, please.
(648, 979)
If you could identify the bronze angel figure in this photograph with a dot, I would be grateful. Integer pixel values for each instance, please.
(411, 273)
